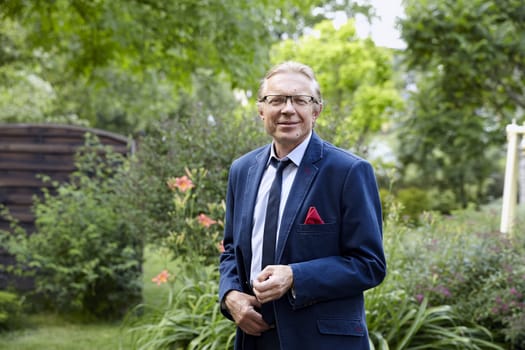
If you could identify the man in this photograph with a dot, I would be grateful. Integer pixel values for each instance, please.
(328, 248)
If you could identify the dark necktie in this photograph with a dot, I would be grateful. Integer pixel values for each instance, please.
(272, 214)
(270, 229)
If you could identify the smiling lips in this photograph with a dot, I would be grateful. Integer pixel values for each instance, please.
(287, 123)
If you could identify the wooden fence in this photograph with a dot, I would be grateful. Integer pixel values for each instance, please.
(28, 150)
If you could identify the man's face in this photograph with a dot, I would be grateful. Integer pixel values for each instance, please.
(288, 124)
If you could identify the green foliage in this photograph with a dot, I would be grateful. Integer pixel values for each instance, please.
(83, 257)
(190, 318)
(460, 265)
(356, 81)
(10, 310)
(477, 45)
(173, 37)
(193, 234)
(414, 201)
(408, 325)
(398, 317)
(78, 61)
(452, 146)
(96, 34)
(467, 63)
(193, 138)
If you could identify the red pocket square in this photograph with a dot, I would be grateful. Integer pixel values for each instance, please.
(313, 217)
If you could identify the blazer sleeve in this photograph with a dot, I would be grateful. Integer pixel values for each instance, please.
(229, 276)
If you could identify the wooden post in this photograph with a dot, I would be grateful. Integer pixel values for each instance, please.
(510, 189)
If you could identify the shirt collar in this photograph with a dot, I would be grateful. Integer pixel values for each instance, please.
(296, 155)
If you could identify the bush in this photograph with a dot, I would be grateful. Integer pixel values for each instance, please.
(10, 310)
(462, 261)
(83, 257)
(398, 316)
(414, 201)
(189, 140)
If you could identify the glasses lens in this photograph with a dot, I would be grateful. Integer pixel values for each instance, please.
(276, 100)
(301, 100)
(280, 100)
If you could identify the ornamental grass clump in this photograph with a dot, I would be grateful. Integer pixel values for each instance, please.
(189, 318)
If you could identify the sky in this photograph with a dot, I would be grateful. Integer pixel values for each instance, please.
(383, 30)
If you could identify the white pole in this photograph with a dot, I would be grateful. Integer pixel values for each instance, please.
(521, 173)
(510, 189)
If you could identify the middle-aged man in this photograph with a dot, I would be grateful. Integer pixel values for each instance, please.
(303, 229)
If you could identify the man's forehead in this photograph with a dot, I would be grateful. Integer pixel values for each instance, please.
(289, 80)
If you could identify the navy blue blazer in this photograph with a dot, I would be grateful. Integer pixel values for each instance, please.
(333, 263)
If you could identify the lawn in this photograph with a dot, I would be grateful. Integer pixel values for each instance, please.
(52, 332)
(48, 332)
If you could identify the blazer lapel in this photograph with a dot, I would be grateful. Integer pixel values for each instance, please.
(253, 179)
(306, 174)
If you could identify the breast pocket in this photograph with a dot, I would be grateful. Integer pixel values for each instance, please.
(316, 241)
(317, 229)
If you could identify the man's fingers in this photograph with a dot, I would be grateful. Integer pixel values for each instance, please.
(252, 323)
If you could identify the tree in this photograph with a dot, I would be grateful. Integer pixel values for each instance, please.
(121, 63)
(356, 80)
(173, 37)
(468, 58)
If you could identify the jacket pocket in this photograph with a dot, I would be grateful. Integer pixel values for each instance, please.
(319, 229)
(341, 327)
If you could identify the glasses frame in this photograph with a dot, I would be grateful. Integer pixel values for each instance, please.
(311, 99)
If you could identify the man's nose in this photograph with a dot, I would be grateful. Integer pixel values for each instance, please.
(288, 105)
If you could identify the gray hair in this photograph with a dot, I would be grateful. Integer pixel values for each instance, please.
(292, 67)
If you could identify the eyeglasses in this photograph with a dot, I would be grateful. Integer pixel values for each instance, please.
(280, 100)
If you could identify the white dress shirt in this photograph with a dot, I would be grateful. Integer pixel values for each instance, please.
(262, 200)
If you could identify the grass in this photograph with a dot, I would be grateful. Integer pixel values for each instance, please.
(47, 332)
(54, 332)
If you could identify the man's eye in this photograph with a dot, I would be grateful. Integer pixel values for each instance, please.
(277, 100)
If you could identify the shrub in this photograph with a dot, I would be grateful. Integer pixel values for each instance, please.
(414, 202)
(83, 257)
(190, 139)
(400, 318)
(464, 262)
(10, 310)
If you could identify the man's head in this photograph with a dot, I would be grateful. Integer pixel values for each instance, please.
(291, 67)
(289, 102)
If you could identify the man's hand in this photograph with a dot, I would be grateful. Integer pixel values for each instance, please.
(273, 282)
(243, 307)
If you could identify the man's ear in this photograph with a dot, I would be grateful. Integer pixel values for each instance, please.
(318, 108)
(260, 110)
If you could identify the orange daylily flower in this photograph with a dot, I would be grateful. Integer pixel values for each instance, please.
(161, 277)
(205, 220)
(182, 183)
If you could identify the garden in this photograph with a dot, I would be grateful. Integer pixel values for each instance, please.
(454, 280)
(125, 253)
